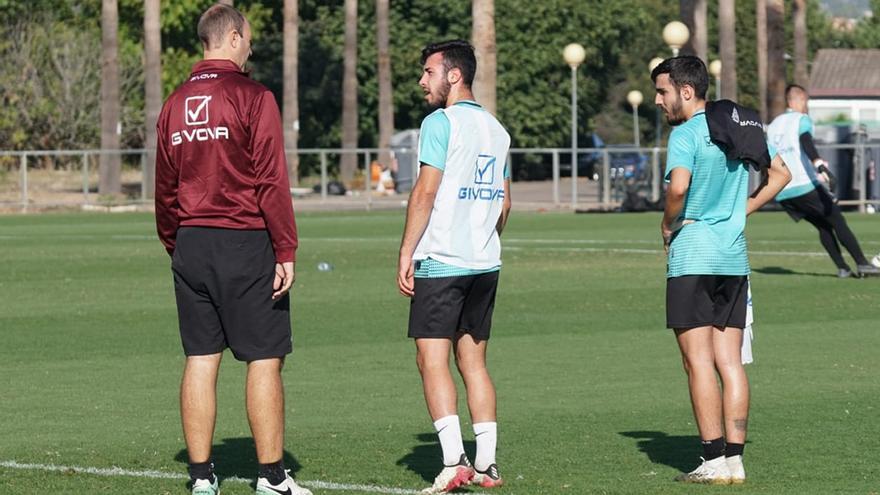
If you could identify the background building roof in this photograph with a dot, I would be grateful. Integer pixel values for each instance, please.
(842, 73)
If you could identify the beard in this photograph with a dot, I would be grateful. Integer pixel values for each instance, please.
(675, 116)
(438, 98)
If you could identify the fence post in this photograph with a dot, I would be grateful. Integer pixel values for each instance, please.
(655, 174)
(860, 167)
(606, 178)
(556, 178)
(368, 175)
(24, 181)
(574, 181)
(143, 177)
(323, 176)
(85, 176)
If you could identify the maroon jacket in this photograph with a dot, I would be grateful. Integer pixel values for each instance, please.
(220, 159)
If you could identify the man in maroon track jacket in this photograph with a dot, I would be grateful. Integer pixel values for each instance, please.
(224, 214)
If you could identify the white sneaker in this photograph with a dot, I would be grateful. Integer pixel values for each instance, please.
(714, 472)
(737, 471)
(452, 477)
(206, 487)
(286, 487)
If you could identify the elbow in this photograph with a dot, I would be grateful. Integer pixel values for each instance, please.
(676, 192)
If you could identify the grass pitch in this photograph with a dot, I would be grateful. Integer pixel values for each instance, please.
(592, 398)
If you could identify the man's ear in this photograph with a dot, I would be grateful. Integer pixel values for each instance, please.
(687, 92)
(453, 76)
(234, 38)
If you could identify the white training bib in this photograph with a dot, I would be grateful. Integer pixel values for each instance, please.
(461, 231)
(784, 134)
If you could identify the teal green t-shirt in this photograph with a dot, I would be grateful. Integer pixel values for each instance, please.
(715, 243)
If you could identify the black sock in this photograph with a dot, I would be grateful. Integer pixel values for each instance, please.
(201, 470)
(734, 449)
(712, 449)
(274, 472)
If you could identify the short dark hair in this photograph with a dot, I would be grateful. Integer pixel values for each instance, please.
(457, 54)
(794, 87)
(218, 20)
(685, 69)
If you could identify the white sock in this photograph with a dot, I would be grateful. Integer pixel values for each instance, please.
(449, 431)
(487, 437)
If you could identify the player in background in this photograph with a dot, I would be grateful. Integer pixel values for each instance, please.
(805, 197)
(450, 257)
(703, 232)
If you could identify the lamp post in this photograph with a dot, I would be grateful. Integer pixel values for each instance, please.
(657, 126)
(635, 99)
(574, 55)
(715, 70)
(676, 34)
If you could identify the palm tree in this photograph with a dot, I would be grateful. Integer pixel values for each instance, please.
(386, 102)
(348, 162)
(801, 75)
(727, 43)
(291, 88)
(109, 183)
(761, 41)
(152, 88)
(693, 14)
(483, 38)
(775, 57)
(225, 2)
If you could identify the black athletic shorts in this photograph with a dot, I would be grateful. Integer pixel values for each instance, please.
(441, 307)
(815, 205)
(223, 283)
(703, 300)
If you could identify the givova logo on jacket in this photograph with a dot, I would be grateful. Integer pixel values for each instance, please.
(484, 175)
(195, 112)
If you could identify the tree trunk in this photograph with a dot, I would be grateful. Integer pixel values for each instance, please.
(291, 88)
(109, 162)
(152, 88)
(225, 2)
(761, 41)
(775, 58)
(693, 14)
(348, 161)
(483, 39)
(801, 75)
(727, 46)
(386, 101)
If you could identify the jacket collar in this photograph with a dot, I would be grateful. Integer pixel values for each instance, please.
(219, 65)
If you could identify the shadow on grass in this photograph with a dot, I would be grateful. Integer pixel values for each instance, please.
(426, 459)
(679, 452)
(238, 457)
(778, 270)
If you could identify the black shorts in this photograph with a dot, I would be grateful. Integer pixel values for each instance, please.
(703, 300)
(816, 205)
(441, 307)
(223, 283)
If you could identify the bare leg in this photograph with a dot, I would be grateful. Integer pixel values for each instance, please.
(699, 364)
(265, 408)
(198, 404)
(735, 384)
(432, 357)
(470, 356)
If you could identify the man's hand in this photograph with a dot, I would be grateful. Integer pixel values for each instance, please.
(666, 232)
(284, 277)
(405, 270)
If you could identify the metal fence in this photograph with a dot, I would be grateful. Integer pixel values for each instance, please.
(602, 178)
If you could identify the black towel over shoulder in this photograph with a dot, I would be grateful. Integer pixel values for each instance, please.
(738, 131)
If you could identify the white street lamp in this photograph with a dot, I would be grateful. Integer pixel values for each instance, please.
(574, 55)
(635, 99)
(715, 70)
(676, 34)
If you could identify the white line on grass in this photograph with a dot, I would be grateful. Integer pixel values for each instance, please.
(152, 474)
